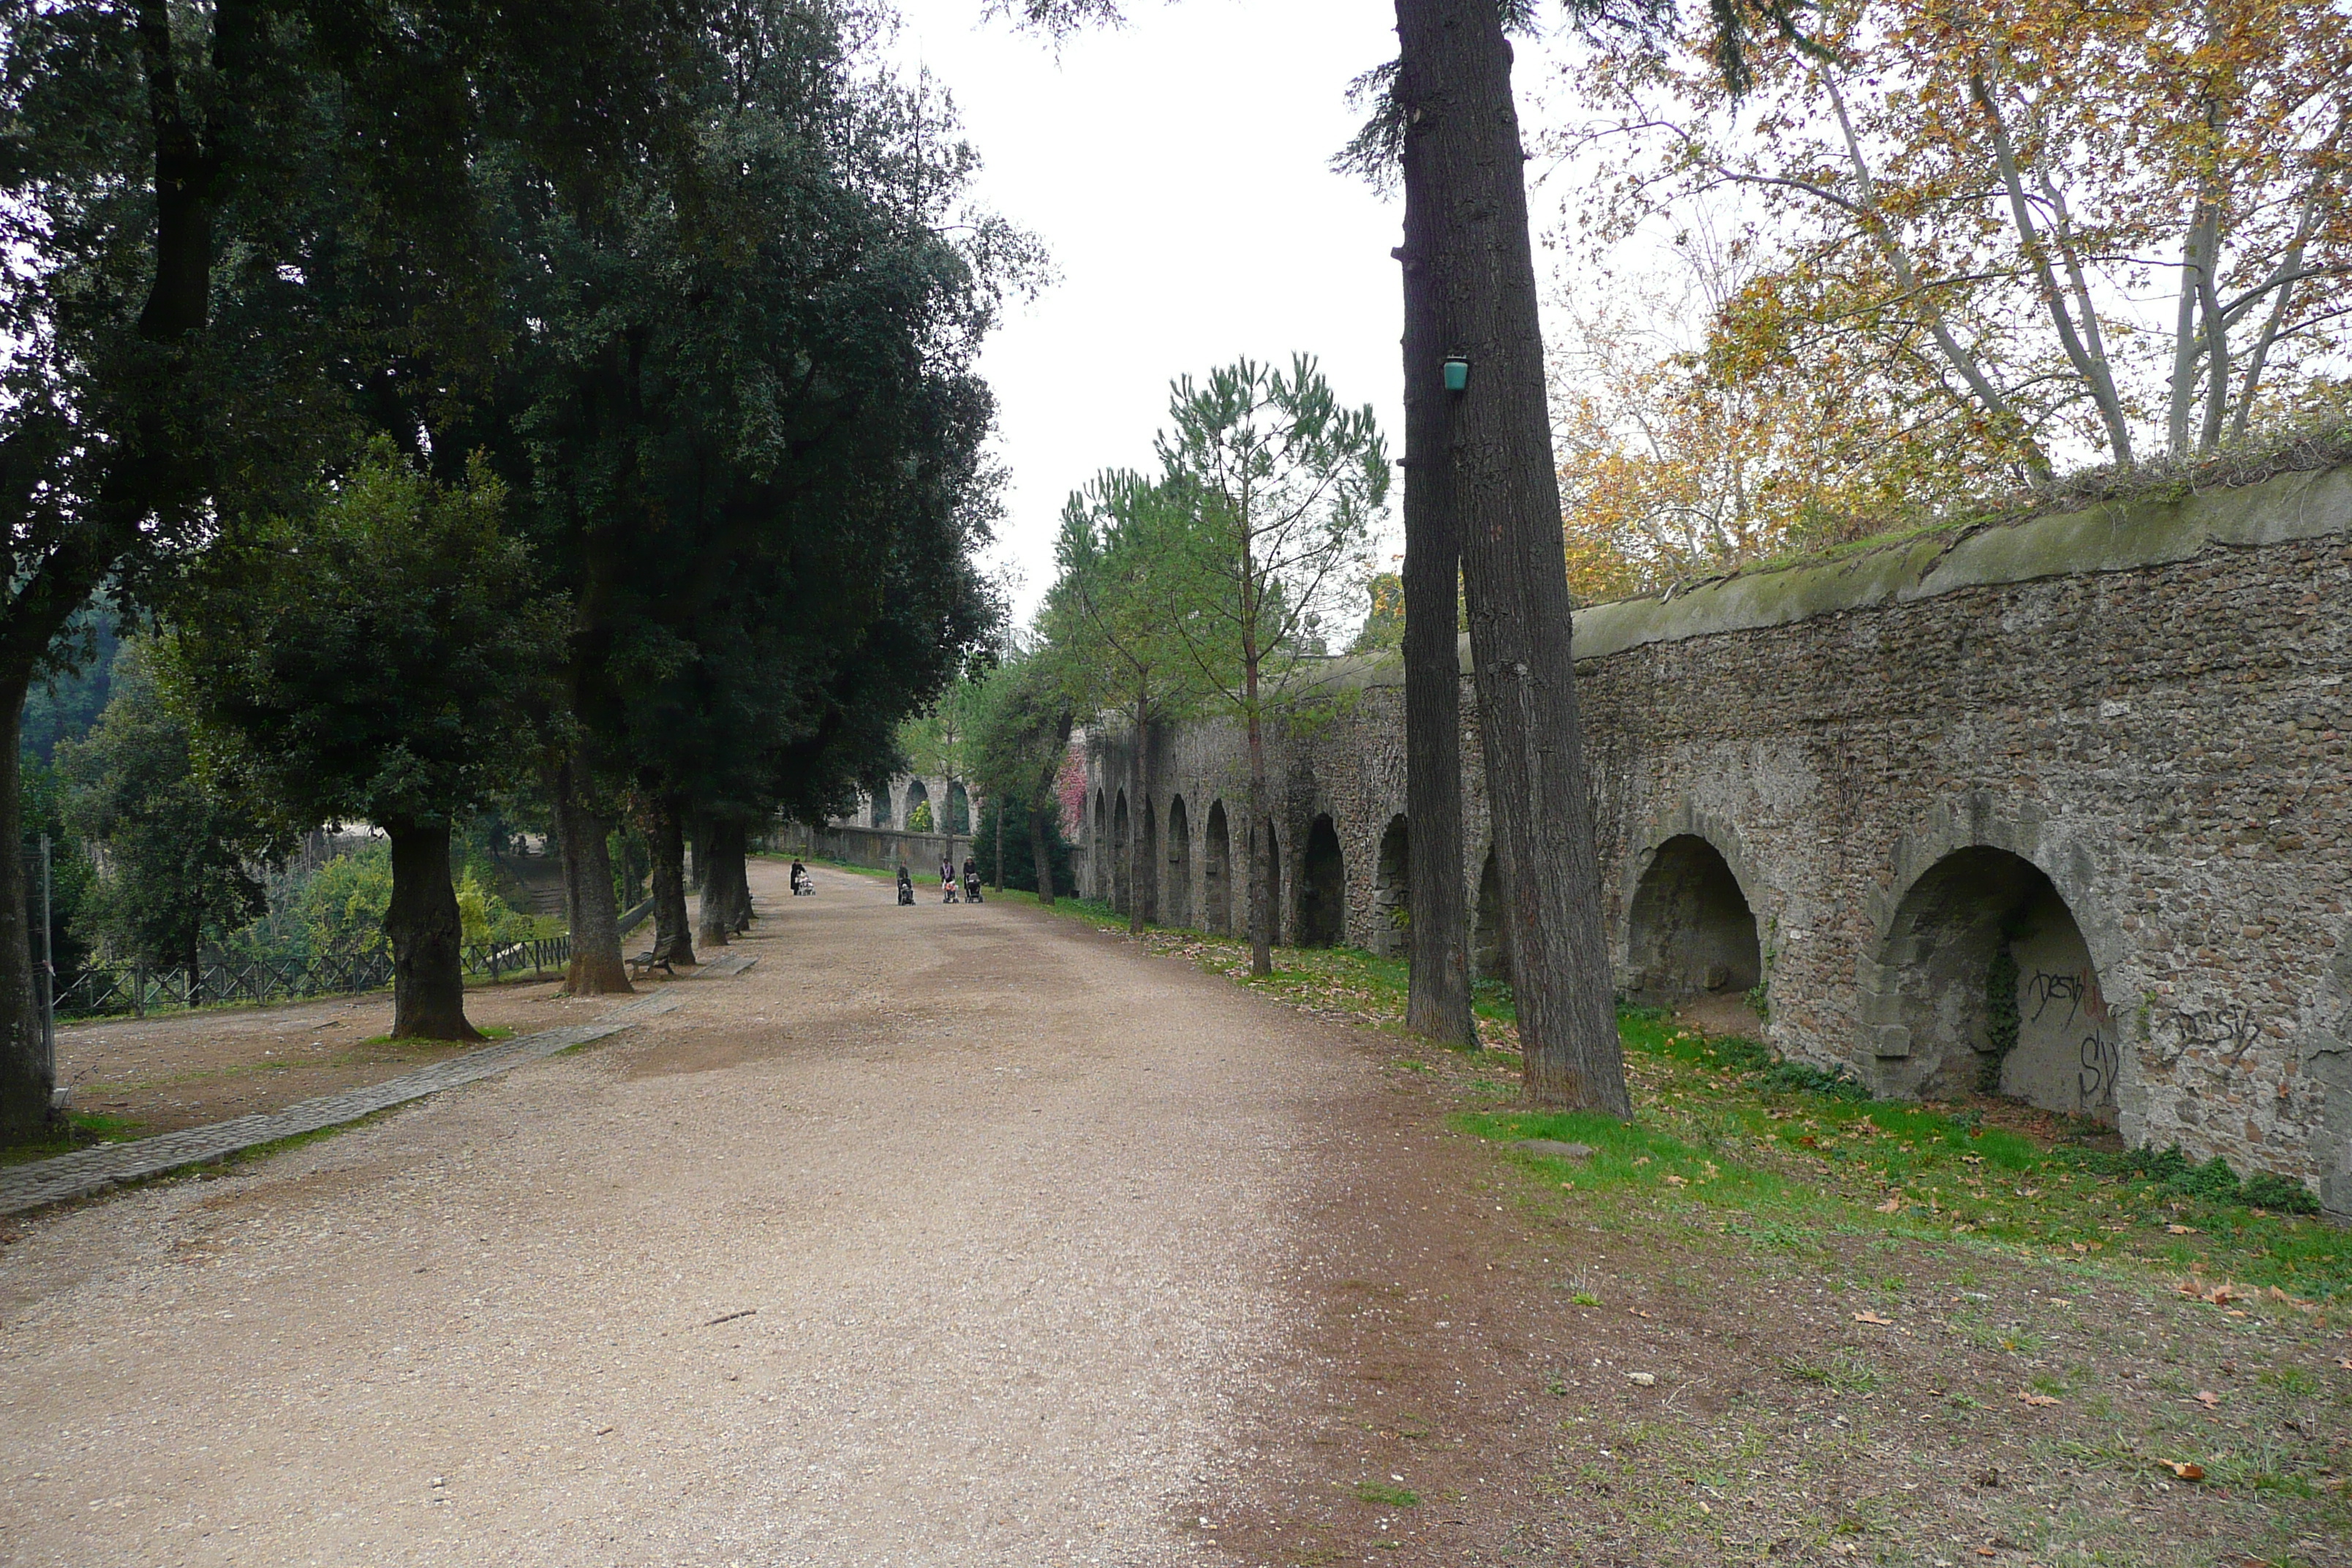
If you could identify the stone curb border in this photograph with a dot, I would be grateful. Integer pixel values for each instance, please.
(87, 1171)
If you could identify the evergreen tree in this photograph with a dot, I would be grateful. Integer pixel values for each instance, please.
(1123, 565)
(1277, 486)
(746, 420)
(384, 657)
(1020, 737)
(180, 860)
(220, 221)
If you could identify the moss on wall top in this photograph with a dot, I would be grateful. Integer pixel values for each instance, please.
(2111, 536)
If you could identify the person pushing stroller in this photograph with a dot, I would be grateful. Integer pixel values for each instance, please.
(906, 887)
(970, 880)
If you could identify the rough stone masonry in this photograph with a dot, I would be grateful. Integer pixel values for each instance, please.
(2056, 806)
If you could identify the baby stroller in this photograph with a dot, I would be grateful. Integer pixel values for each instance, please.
(802, 883)
(947, 894)
(970, 883)
(906, 887)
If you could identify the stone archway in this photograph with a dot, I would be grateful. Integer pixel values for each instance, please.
(1490, 947)
(919, 799)
(1176, 897)
(1392, 890)
(1322, 887)
(1098, 853)
(958, 809)
(1122, 832)
(1272, 843)
(880, 816)
(1217, 872)
(1690, 931)
(1983, 980)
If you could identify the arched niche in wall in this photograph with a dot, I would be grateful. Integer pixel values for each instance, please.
(1393, 888)
(1099, 850)
(1490, 948)
(919, 817)
(1217, 870)
(880, 814)
(1147, 861)
(1122, 834)
(1983, 980)
(1690, 931)
(959, 808)
(1322, 887)
(1272, 842)
(1176, 894)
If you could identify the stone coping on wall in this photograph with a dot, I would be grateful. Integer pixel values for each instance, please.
(2114, 536)
(2111, 536)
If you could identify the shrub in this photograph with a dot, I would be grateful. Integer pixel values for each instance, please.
(1804, 1078)
(2002, 1019)
(1736, 1051)
(2212, 1181)
(2264, 1190)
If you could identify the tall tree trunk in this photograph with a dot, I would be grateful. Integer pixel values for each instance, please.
(716, 914)
(1437, 995)
(698, 852)
(27, 1076)
(1470, 279)
(738, 876)
(727, 887)
(596, 968)
(429, 979)
(947, 824)
(1138, 829)
(1041, 854)
(665, 833)
(997, 806)
(1261, 913)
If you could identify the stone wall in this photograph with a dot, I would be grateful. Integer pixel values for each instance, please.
(2058, 806)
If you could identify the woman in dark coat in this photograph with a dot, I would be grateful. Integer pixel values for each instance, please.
(906, 887)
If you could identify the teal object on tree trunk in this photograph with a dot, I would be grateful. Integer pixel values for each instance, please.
(1457, 374)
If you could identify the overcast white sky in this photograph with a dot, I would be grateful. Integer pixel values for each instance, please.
(1179, 171)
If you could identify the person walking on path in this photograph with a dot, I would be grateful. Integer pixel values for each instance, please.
(906, 887)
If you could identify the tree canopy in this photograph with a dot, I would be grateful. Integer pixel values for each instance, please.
(1944, 250)
(181, 861)
(386, 655)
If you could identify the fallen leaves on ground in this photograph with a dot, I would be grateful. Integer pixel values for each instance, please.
(2028, 1397)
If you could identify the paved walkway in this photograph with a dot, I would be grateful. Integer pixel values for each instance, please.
(945, 1236)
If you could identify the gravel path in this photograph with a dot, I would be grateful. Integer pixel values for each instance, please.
(943, 1235)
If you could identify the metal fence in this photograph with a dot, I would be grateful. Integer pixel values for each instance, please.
(112, 990)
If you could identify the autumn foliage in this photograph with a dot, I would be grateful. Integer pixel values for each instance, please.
(1943, 248)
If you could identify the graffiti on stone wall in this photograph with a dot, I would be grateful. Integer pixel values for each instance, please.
(2225, 1033)
(2077, 992)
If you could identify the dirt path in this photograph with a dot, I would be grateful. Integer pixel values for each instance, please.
(946, 1235)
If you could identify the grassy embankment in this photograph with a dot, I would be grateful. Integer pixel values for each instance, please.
(1721, 1127)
